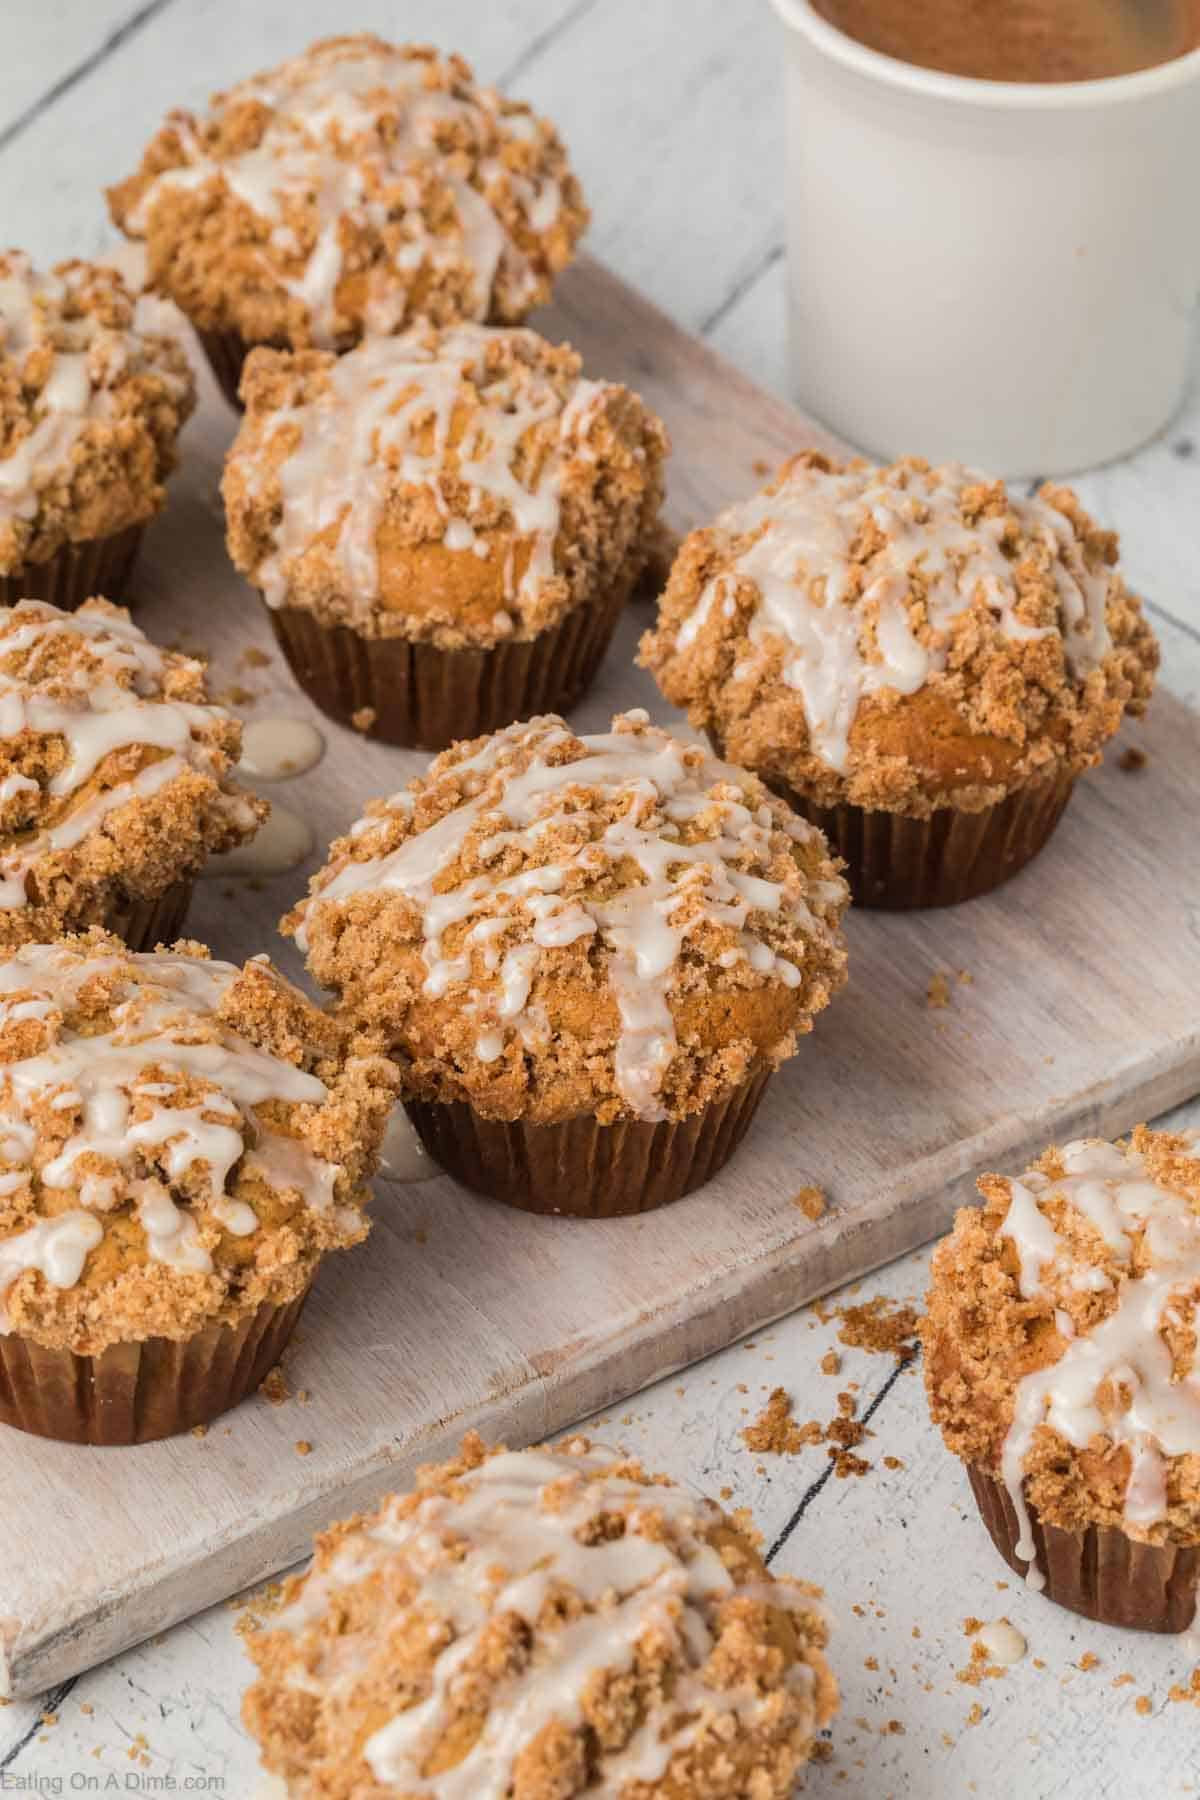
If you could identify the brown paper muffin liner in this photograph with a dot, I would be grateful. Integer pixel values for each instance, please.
(77, 572)
(1099, 1573)
(582, 1168)
(226, 352)
(897, 863)
(423, 698)
(134, 1393)
(144, 923)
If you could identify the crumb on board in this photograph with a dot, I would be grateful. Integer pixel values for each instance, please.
(254, 658)
(893, 1462)
(274, 1387)
(812, 1201)
(363, 718)
(975, 1714)
(1124, 1679)
(937, 994)
(831, 1363)
(761, 467)
(1143, 1704)
(881, 1326)
(1132, 759)
(303, 1447)
(199, 1431)
(1189, 1692)
(775, 1430)
(1089, 1660)
(965, 978)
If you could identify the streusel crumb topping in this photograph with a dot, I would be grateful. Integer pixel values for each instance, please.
(462, 486)
(350, 191)
(114, 769)
(538, 1625)
(548, 925)
(1062, 1336)
(903, 637)
(180, 1141)
(90, 408)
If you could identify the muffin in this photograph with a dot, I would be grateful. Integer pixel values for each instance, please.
(1062, 1367)
(181, 1142)
(347, 193)
(444, 525)
(919, 661)
(588, 954)
(90, 410)
(550, 1622)
(115, 781)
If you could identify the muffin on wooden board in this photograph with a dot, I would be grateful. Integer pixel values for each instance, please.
(1061, 1365)
(445, 525)
(535, 1623)
(919, 661)
(90, 409)
(587, 953)
(345, 194)
(115, 777)
(181, 1142)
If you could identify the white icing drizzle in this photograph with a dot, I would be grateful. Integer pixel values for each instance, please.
(279, 748)
(282, 842)
(96, 716)
(659, 781)
(88, 359)
(505, 1547)
(357, 442)
(402, 1156)
(360, 128)
(1126, 1352)
(128, 1139)
(800, 561)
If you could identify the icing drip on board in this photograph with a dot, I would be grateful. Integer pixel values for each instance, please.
(515, 1537)
(801, 560)
(358, 440)
(657, 783)
(363, 132)
(279, 748)
(1117, 1380)
(95, 715)
(120, 1089)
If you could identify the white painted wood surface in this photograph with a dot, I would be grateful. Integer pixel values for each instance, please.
(673, 116)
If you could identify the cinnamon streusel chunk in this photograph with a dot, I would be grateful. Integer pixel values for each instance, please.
(115, 770)
(535, 1624)
(349, 191)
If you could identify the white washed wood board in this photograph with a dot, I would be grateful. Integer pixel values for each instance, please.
(1080, 1016)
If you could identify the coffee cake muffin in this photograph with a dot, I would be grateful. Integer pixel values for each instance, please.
(115, 781)
(1061, 1364)
(539, 1623)
(347, 193)
(587, 953)
(181, 1142)
(90, 410)
(444, 525)
(919, 661)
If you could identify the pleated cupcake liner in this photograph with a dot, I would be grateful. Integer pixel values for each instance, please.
(136, 1393)
(226, 352)
(896, 864)
(581, 1168)
(1099, 1573)
(422, 698)
(77, 572)
(141, 924)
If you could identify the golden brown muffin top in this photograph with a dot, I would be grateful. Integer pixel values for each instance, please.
(548, 925)
(463, 486)
(180, 1140)
(902, 637)
(90, 408)
(1061, 1341)
(350, 191)
(540, 1623)
(114, 769)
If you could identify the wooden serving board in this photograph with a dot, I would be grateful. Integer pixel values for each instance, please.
(1080, 1016)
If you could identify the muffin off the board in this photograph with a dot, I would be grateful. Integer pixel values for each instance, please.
(1062, 1367)
(115, 777)
(546, 1622)
(180, 1142)
(920, 662)
(588, 954)
(445, 526)
(90, 410)
(345, 194)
